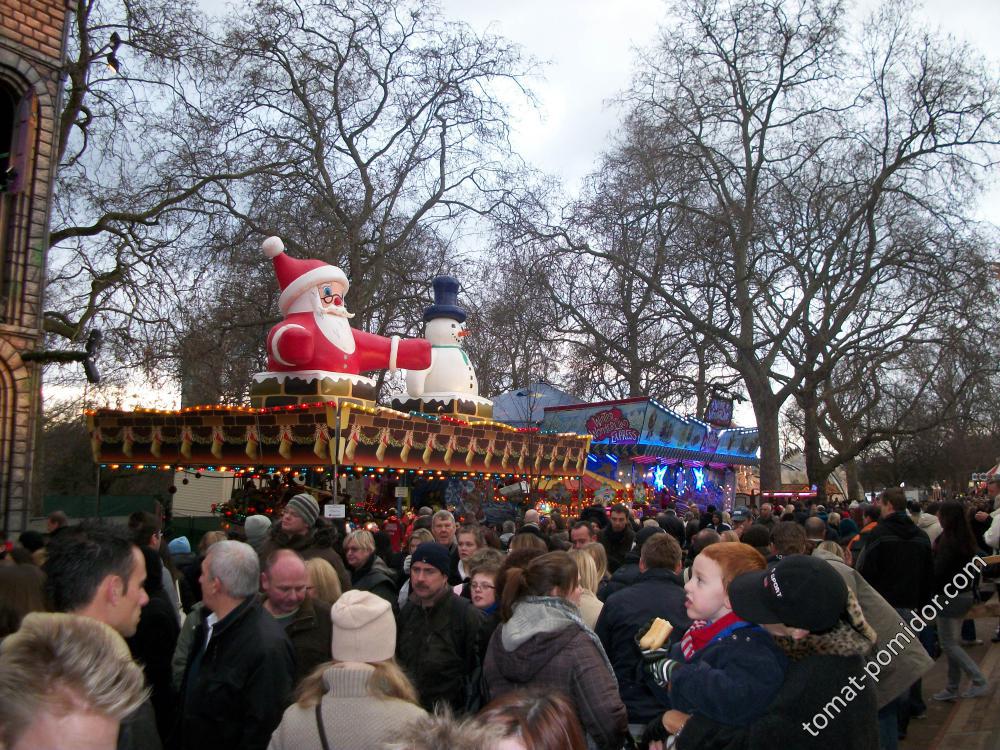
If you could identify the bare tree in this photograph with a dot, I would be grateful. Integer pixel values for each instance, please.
(793, 159)
(134, 170)
(361, 132)
(621, 339)
(511, 341)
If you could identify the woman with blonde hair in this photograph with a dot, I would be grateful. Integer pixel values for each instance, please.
(368, 572)
(66, 681)
(596, 550)
(600, 555)
(324, 583)
(361, 698)
(590, 606)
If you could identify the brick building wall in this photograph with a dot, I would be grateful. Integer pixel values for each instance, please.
(32, 43)
(37, 27)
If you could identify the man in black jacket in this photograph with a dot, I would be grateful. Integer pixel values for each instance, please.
(628, 572)
(438, 633)
(95, 571)
(617, 537)
(657, 592)
(897, 561)
(241, 669)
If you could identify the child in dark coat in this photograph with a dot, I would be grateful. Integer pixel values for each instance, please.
(724, 668)
(805, 604)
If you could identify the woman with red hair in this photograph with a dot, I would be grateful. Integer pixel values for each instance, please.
(535, 720)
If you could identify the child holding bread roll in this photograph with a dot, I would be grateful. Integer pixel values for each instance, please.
(723, 668)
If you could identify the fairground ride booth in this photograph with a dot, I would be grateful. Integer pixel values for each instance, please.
(313, 424)
(362, 458)
(645, 454)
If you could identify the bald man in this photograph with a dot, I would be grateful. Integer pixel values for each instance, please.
(284, 582)
(532, 525)
(816, 531)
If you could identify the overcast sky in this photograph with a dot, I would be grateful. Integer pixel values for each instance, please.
(589, 47)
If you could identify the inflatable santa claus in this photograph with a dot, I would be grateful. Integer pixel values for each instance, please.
(315, 337)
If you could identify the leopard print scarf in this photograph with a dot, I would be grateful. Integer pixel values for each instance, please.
(852, 636)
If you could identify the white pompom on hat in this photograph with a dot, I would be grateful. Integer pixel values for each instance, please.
(273, 247)
(364, 629)
(295, 276)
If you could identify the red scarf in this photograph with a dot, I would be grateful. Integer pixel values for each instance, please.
(701, 633)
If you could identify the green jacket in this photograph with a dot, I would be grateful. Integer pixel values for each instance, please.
(438, 646)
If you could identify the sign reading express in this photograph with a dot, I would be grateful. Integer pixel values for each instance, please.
(612, 426)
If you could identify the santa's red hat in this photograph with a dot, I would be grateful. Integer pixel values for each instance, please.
(296, 276)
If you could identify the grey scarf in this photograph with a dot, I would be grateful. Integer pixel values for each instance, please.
(546, 614)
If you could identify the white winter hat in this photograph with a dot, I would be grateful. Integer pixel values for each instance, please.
(364, 629)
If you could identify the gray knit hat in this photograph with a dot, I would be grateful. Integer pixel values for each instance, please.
(305, 507)
(256, 528)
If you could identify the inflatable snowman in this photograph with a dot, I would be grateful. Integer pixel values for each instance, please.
(451, 378)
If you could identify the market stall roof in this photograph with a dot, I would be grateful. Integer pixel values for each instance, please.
(648, 431)
(794, 474)
(324, 434)
(525, 407)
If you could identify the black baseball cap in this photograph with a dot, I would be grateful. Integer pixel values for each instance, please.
(800, 592)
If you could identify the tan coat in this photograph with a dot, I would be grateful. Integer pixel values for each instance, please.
(590, 608)
(352, 717)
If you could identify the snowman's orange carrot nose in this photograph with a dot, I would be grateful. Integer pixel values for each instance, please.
(464, 332)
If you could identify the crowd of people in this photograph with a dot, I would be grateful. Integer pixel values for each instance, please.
(432, 631)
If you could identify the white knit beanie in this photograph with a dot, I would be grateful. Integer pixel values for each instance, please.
(364, 629)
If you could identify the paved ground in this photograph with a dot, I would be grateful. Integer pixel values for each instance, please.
(970, 724)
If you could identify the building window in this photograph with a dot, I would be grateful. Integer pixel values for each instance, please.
(18, 126)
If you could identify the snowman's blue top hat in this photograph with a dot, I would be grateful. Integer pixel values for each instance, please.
(445, 300)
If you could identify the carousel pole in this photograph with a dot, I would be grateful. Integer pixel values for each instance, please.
(97, 494)
(336, 457)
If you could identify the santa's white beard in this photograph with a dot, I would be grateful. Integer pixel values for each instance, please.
(337, 331)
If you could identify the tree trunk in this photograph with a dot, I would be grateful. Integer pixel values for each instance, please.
(701, 386)
(816, 470)
(853, 481)
(766, 409)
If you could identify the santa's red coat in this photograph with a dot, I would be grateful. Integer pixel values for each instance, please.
(303, 346)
